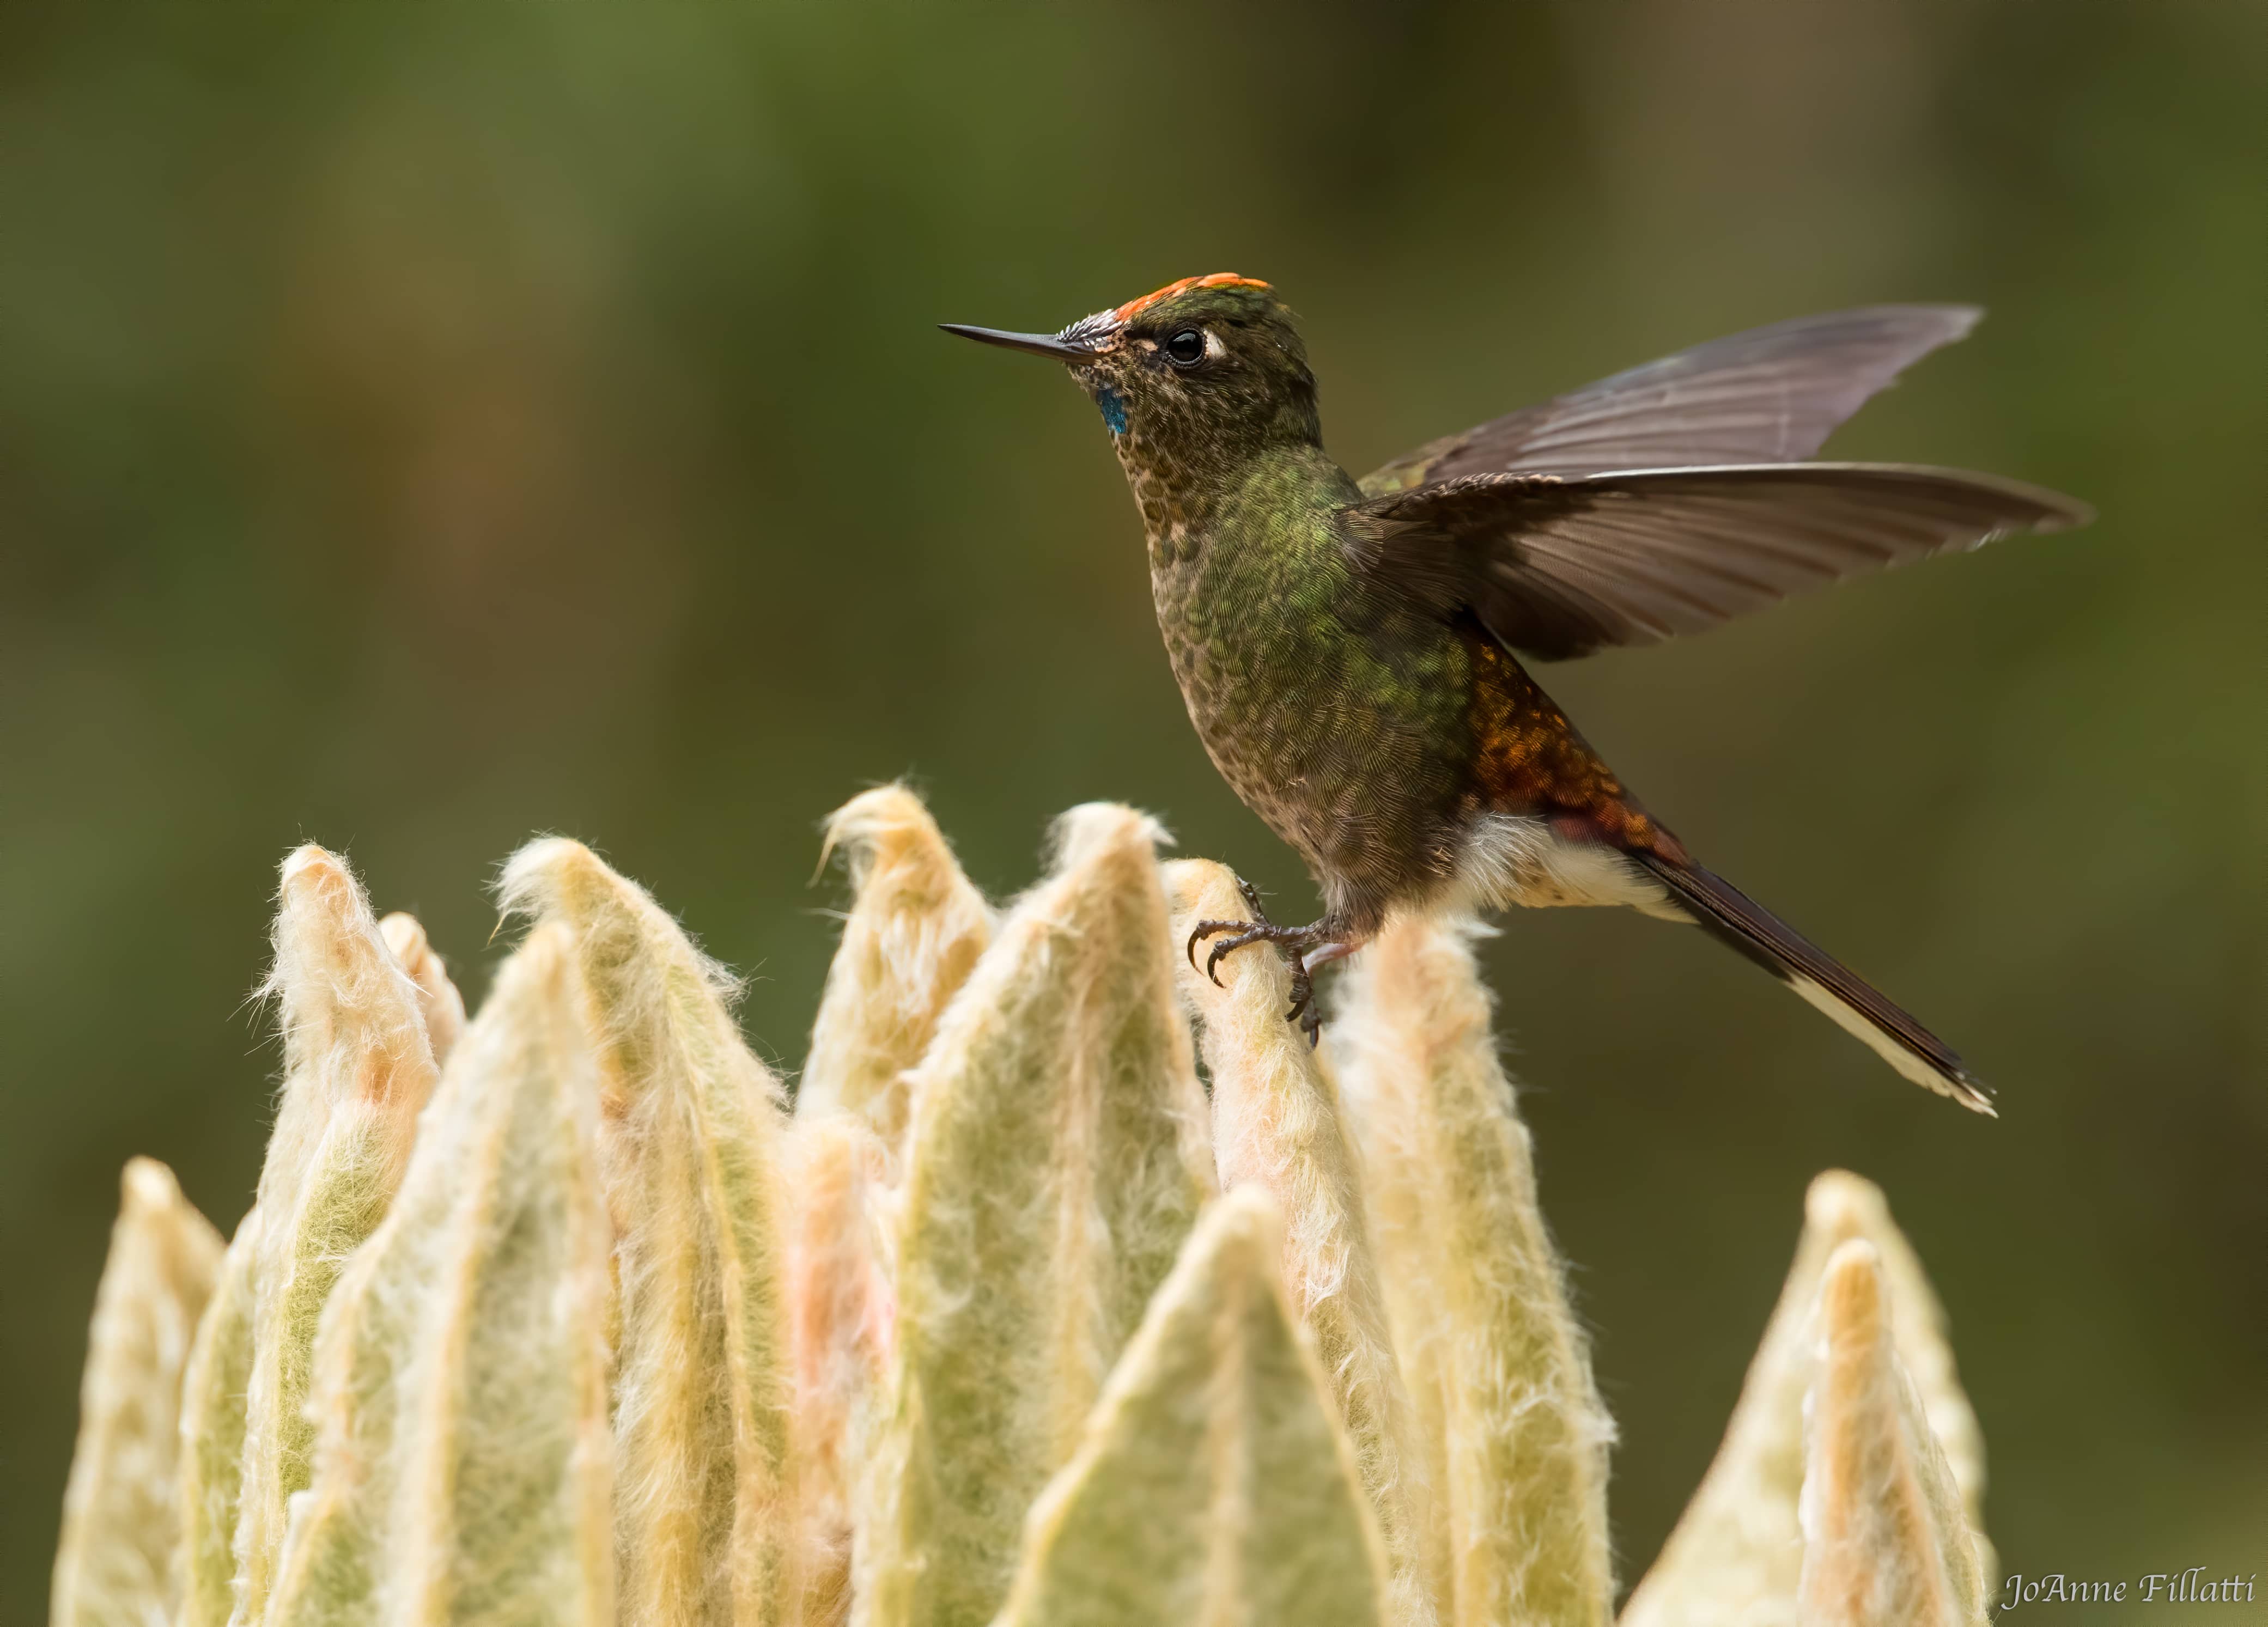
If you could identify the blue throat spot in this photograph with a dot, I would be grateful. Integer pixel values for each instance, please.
(1114, 409)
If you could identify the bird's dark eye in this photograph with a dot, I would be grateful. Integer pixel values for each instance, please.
(1186, 348)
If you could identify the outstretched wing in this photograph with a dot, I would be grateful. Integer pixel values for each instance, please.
(1770, 395)
(1558, 568)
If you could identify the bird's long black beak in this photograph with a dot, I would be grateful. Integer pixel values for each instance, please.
(1055, 345)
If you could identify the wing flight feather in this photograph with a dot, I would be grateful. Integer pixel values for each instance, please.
(1557, 567)
(1768, 395)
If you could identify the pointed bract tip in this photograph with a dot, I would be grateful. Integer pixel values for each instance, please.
(1841, 1204)
(310, 861)
(148, 1185)
(880, 817)
(1079, 834)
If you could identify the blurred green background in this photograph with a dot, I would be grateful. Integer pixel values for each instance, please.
(422, 426)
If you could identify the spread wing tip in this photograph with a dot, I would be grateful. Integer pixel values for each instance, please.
(1557, 566)
(2050, 510)
(1941, 324)
(1771, 394)
(2066, 514)
(1962, 318)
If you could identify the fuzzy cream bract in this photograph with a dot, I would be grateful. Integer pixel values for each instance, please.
(1736, 1557)
(1213, 1482)
(916, 929)
(214, 1390)
(118, 1564)
(1276, 1124)
(704, 1468)
(358, 1067)
(1514, 1430)
(1055, 1161)
(460, 1403)
(841, 1309)
(1885, 1543)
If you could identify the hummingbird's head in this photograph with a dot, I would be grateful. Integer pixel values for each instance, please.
(1204, 369)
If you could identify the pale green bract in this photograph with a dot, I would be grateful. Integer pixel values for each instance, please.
(1011, 1321)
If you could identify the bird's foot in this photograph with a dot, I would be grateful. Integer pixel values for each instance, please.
(1294, 942)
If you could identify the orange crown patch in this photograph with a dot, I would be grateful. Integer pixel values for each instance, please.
(1133, 308)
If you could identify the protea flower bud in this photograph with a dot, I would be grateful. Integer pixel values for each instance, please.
(604, 1338)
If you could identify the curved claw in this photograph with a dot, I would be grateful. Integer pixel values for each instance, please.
(1230, 946)
(1205, 929)
(1305, 948)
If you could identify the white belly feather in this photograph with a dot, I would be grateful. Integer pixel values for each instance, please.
(1513, 858)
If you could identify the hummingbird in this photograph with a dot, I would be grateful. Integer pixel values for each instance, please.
(1351, 650)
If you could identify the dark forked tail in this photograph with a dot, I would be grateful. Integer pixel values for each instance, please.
(1746, 925)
